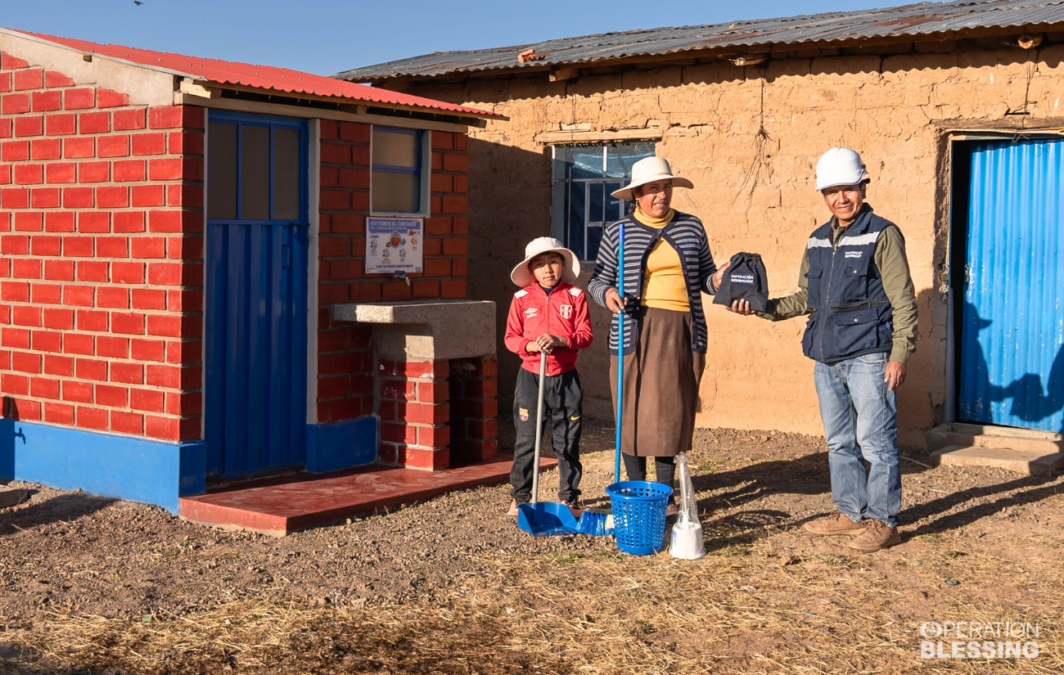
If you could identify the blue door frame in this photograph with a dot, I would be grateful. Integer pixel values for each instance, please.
(1012, 320)
(256, 325)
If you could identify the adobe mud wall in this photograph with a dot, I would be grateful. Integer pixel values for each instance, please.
(749, 138)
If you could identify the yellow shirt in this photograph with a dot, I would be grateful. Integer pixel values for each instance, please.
(664, 286)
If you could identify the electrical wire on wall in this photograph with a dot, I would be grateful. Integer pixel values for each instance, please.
(759, 167)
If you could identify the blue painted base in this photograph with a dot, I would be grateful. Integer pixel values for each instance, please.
(125, 467)
(341, 445)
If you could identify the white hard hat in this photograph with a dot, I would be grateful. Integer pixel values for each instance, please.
(839, 166)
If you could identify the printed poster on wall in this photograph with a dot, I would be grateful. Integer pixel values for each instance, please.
(394, 245)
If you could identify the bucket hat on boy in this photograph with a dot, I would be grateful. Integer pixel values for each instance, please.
(522, 276)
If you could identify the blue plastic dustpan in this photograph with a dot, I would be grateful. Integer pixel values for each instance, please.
(545, 519)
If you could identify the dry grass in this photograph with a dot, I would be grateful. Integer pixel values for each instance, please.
(745, 608)
(766, 599)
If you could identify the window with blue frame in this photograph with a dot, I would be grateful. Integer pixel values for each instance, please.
(397, 184)
(255, 169)
(583, 178)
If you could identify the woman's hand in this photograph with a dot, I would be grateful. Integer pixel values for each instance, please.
(718, 278)
(614, 302)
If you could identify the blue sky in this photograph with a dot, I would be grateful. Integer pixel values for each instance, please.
(326, 36)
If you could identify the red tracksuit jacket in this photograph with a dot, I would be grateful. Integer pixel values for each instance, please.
(563, 313)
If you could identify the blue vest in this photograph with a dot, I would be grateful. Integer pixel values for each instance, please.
(851, 314)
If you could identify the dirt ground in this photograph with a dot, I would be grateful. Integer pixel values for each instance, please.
(450, 586)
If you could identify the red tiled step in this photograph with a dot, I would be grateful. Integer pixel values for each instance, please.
(282, 505)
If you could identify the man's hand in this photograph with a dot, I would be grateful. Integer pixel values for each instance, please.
(741, 306)
(614, 302)
(718, 278)
(894, 375)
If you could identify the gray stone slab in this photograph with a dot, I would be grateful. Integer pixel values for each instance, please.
(1031, 462)
(425, 331)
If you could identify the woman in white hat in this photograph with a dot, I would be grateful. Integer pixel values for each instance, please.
(667, 266)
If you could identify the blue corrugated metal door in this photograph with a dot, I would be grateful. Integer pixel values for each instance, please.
(1012, 359)
(257, 294)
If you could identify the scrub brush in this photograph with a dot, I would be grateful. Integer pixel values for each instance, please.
(597, 523)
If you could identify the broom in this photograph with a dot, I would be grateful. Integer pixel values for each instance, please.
(599, 522)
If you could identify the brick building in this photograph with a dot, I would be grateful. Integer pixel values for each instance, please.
(177, 236)
(954, 107)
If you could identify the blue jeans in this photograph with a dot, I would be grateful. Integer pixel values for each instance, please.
(861, 423)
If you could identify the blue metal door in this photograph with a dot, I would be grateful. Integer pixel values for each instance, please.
(256, 341)
(1012, 336)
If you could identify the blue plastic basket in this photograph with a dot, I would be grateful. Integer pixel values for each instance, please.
(639, 515)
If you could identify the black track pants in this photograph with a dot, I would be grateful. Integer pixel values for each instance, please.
(562, 410)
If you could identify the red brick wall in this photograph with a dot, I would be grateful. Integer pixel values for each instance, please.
(345, 367)
(101, 223)
(435, 415)
(474, 410)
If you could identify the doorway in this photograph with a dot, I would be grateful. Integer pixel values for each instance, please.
(1007, 267)
(256, 288)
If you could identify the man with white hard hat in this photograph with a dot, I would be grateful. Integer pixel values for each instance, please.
(855, 285)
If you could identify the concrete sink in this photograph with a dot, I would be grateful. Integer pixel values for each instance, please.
(425, 331)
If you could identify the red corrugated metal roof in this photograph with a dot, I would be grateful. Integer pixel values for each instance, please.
(259, 77)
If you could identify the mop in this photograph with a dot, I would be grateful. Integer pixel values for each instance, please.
(542, 519)
(598, 522)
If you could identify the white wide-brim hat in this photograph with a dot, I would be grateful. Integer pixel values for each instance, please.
(522, 276)
(649, 170)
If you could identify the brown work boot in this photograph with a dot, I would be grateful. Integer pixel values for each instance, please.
(512, 513)
(875, 537)
(832, 525)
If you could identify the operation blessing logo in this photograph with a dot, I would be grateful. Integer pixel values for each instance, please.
(978, 640)
(742, 278)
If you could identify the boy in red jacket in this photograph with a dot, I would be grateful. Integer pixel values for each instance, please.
(548, 315)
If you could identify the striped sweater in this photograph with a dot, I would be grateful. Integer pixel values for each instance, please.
(686, 234)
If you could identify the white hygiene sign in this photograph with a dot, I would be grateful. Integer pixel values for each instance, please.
(395, 245)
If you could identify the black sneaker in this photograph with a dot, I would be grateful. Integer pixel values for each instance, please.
(574, 506)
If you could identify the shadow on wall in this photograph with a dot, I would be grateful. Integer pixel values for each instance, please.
(1031, 401)
(915, 410)
(509, 205)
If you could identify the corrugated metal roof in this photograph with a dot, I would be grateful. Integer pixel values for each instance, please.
(921, 19)
(267, 78)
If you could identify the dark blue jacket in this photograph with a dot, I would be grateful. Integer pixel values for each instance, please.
(851, 312)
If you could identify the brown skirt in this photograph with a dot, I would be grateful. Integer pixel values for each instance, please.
(661, 378)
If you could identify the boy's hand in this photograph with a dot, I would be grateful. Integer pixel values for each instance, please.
(546, 343)
(532, 347)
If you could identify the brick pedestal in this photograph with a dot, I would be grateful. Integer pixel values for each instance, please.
(414, 412)
(436, 414)
(474, 410)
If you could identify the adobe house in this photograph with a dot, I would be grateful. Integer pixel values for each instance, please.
(955, 108)
(187, 295)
